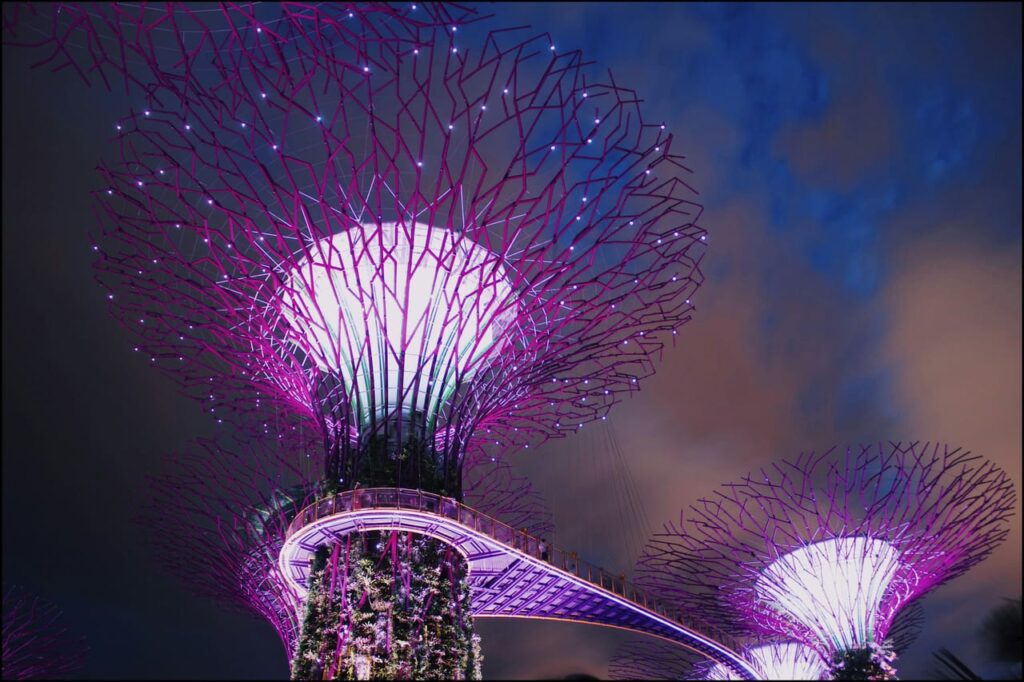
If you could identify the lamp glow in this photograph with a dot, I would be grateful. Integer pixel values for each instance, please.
(402, 314)
(834, 587)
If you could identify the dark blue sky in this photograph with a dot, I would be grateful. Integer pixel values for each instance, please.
(860, 167)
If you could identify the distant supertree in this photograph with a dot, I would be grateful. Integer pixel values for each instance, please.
(219, 520)
(827, 549)
(655, 660)
(37, 644)
(421, 240)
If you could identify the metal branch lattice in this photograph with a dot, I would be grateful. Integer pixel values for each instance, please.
(37, 643)
(881, 525)
(391, 222)
(906, 627)
(218, 523)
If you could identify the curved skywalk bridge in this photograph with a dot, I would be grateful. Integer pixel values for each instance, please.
(507, 575)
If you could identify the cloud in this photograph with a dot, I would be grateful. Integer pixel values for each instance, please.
(954, 348)
(855, 136)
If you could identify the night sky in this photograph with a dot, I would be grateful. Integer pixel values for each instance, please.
(860, 168)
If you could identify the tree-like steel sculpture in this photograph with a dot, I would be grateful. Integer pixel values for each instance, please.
(420, 239)
(653, 660)
(37, 644)
(828, 548)
(398, 226)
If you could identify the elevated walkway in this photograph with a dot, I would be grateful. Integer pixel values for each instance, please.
(508, 576)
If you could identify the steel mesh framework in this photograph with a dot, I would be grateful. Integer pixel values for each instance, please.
(826, 549)
(655, 660)
(218, 522)
(393, 224)
(37, 643)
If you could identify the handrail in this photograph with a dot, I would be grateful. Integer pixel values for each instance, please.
(519, 540)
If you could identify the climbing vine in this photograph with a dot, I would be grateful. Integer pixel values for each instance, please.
(387, 605)
(873, 662)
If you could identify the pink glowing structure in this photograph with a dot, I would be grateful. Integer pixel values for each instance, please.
(37, 644)
(828, 548)
(388, 225)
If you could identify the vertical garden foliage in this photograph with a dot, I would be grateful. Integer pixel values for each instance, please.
(874, 662)
(388, 605)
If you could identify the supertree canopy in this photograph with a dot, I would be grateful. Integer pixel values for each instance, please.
(775, 661)
(414, 234)
(828, 548)
(37, 644)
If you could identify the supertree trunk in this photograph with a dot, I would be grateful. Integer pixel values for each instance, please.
(387, 605)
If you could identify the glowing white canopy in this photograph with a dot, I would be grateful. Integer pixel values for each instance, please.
(833, 587)
(782, 661)
(402, 313)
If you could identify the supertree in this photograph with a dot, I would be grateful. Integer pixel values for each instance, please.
(264, 255)
(219, 520)
(37, 643)
(417, 238)
(827, 549)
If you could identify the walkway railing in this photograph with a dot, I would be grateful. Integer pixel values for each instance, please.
(519, 540)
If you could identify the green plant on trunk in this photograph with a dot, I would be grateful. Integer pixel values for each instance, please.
(873, 662)
(387, 605)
